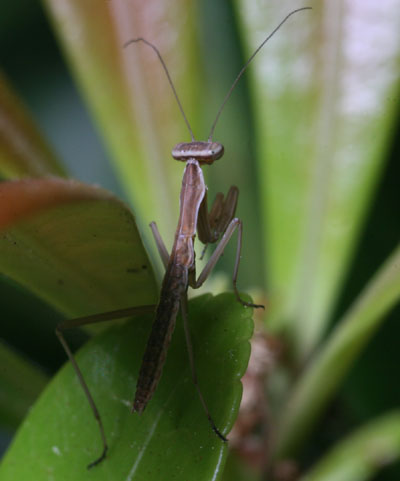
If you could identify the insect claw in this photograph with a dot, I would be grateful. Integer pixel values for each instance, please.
(218, 433)
(98, 460)
(248, 304)
(221, 436)
(216, 430)
(256, 306)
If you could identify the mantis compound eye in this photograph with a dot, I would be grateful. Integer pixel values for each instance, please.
(203, 152)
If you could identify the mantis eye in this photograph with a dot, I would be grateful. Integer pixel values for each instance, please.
(203, 152)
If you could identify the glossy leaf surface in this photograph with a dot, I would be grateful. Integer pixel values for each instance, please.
(74, 245)
(172, 438)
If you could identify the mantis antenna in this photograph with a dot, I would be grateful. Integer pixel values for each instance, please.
(247, 64)
(141, 39)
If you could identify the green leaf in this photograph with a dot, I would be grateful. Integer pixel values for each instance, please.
(323, 120)
(20, 385)
(128, 92)
(362, 454)
(172, 438)
(334, 359)
(23, 151)
(75, 246)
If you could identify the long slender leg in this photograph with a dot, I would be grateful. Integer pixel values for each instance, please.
(105, 316)
(184, 311)
(89, 397)
(233, 225)
(162, 250)
(81, 321)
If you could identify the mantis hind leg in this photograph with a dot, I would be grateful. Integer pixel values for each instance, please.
(184, 311)
(82, 321)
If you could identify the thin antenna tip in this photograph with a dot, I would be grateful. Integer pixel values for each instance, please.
(132, 40)
(246, 65)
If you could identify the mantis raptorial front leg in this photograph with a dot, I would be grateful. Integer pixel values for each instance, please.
(220, 223)
(83, 321)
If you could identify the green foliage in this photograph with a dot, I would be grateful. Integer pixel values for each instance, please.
(172, 436)
(21, 383)
(54, 224)
(306, 137)
(362, 454)
(332, 363)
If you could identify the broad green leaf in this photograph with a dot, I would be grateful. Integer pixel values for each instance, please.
(23, 151)
(323, 121)
(20, 385)
(363, 454)
(128, 93)
(334, 359)
(172, 438)
(75, 246)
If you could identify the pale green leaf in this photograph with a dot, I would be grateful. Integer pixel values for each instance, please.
(362, 454)
(128, 93)
(324, 92)
(327, 369)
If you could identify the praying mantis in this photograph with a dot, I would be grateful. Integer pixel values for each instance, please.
(216, 225)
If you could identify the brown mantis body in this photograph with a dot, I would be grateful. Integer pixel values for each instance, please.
(217, 225)
(180, 268)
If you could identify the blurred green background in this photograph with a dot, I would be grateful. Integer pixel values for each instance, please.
(32, 61)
